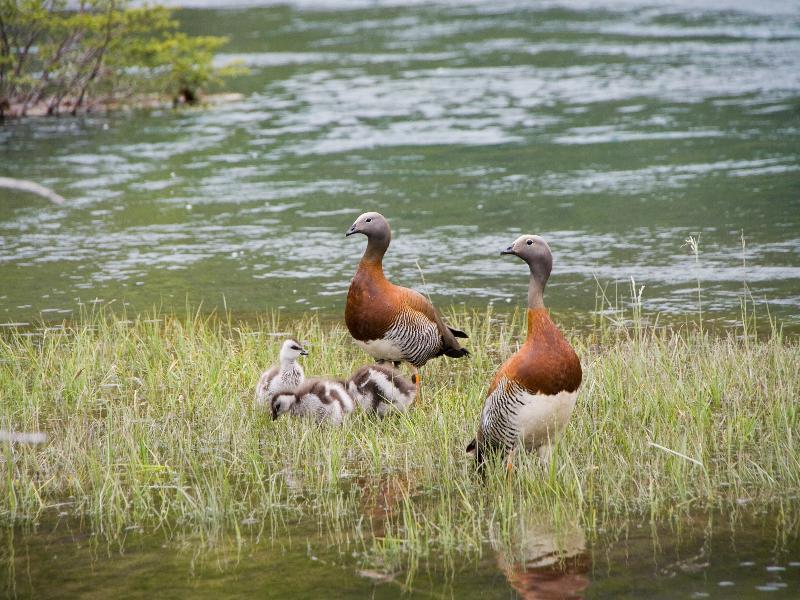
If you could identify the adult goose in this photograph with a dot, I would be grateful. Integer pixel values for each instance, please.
(393, 323)
(532, 395)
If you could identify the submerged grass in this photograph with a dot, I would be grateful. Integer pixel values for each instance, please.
(150, 423)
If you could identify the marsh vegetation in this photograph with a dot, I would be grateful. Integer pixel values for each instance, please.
(151, 424)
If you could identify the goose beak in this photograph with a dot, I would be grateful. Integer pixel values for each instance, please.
(274, 412)
(351, 231)
(509, 250)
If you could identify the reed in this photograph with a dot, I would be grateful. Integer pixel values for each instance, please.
(150, 423)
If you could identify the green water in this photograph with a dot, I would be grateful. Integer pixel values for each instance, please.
(615, 130)
(708, 558)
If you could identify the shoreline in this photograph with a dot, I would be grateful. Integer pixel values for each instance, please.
(149, 102)
(574, 323)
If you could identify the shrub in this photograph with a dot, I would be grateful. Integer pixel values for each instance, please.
(101, 51)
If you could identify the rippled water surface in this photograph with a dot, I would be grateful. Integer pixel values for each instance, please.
(614, 129)
(711, 557)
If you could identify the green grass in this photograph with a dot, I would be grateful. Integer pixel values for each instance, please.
(150, 423)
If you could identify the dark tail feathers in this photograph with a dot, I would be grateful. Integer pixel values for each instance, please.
(457, 332)
(456, 352)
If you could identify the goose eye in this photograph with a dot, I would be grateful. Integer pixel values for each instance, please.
(369, 220)
(530, 242)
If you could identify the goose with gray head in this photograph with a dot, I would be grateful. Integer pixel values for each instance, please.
(283, 377)
(532, 395)
(382, 389)
(390, 322)
(325, 400)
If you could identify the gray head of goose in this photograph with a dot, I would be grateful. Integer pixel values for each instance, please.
(282, 403)
(292, 350)
(534, 251)
(375, 226)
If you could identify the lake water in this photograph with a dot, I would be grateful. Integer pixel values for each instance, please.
(709, 558)
(614, 129)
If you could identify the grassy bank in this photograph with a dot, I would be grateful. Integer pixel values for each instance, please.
(150, 423)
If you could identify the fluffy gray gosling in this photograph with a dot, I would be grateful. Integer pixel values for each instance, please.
(283, 377)
(382, 389)
(325, 400)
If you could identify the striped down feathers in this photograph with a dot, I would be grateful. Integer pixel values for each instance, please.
(381, 389)
(322, 399)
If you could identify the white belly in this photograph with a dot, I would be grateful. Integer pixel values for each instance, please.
(382, 349)
(541, 418)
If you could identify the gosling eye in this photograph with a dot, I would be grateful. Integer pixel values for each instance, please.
(296, 348)
(530, 242)
(369, 220)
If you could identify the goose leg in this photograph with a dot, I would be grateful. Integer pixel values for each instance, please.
(510, 460)
(545, 455)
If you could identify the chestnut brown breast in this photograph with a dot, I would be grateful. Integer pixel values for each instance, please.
(372, 303)
(546, 363)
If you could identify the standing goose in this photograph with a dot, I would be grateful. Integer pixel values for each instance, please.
(532, 396)
(325, 400)
(393, 323)
(283, 377)
(382, 389)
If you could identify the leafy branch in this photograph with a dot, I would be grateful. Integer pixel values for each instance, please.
(58, 57)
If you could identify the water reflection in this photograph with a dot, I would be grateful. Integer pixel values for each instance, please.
(544, 560)
(704, 555)
(381, 498)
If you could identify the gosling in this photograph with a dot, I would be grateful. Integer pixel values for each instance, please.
(382, 389)
(284, 377)
(325, 400)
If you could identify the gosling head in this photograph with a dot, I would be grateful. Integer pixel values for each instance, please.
(534, 251)
(373, 225)
(292, 350)
(282, 403)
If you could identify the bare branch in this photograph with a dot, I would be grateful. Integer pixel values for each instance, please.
(29, 186)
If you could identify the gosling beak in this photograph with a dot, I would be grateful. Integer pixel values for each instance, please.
(274, 411)
(351, 231)
(509, 250)
(303, 352)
